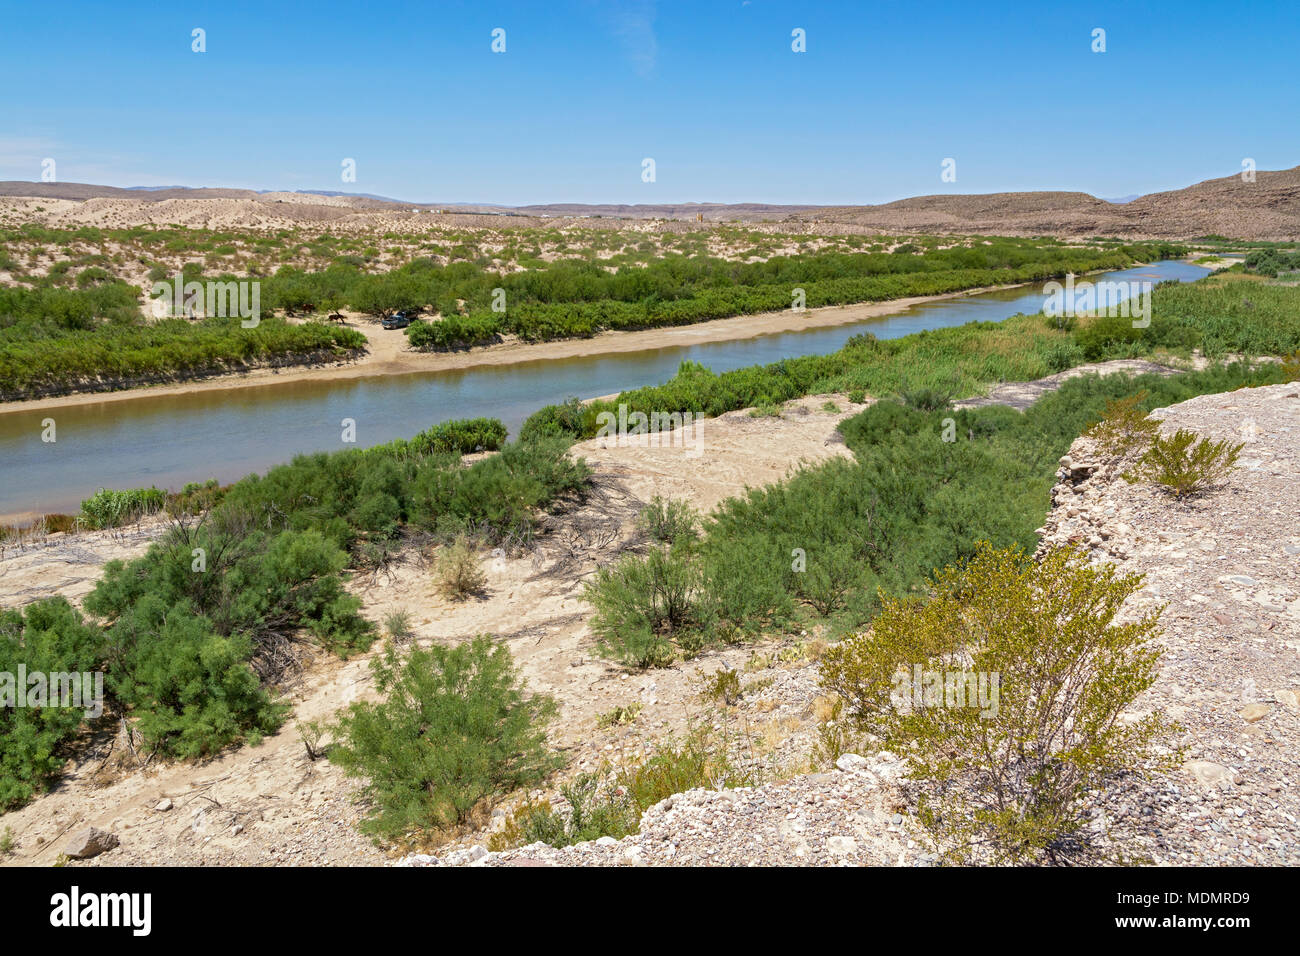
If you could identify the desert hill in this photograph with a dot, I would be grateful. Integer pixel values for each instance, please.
(1266, 209)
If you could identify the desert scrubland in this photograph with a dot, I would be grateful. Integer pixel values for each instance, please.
(670, 642)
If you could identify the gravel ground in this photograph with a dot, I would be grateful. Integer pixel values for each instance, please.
(1227, 565)
(845, 817)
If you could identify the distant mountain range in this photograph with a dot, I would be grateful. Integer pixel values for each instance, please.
(1266, 208)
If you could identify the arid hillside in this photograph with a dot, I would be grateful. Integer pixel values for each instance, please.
(1267, 208)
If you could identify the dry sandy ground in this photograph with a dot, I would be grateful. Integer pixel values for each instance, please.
(389, 355)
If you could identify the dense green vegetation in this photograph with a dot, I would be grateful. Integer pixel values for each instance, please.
(48, 310)
(108, 508)
(567, 299)
(1220, 316)
(195, 636)
(463, 436)
(1272, 262)
(827, 542)
(62, 333)
(54, 340)
(45, 637)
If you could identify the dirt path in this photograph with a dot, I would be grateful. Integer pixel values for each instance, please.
(1020, 395)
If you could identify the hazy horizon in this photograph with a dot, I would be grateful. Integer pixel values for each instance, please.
(1118, 200)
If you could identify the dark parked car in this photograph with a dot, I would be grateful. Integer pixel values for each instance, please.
(398, 320)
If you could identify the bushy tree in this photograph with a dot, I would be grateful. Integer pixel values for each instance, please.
(668, 521)
(190, 688)
(207, 615)
(46, 637)
(1005, 770)
(454, 728)
(644, 604)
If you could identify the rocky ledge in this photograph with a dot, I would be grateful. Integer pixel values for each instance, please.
(1226, 568)
(850, 816)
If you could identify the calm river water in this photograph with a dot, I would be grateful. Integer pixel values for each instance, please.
(228, 433)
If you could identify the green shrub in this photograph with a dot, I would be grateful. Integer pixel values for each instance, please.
(828, 578)
(1270, 262)
(643, 604)
(593, 811)
(1125, 429)
(926, 399)
(455, 332)
(668, 521)
(1108, 336)
(746, 579)
(397, 625)
(46, 637)
(723, 687)
(1062, 356)
(196, 625)
(461, 436)
(573, 420)
(1185, 464)
(111, 509)
(497, 498)
(190, 689)
(454, 728)
(1008, 770)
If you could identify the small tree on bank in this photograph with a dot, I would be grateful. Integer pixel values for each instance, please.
(454, 728)
(1005, 776)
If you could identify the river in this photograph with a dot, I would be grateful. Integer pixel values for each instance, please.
(168, 440)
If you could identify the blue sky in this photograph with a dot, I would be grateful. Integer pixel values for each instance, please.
(712, 91)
